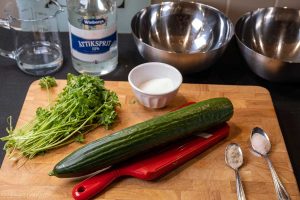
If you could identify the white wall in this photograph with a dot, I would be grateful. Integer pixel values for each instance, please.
(124, 14)
(233, 8)
(236, 8)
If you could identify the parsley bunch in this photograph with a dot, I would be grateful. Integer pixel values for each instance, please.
(83, 105)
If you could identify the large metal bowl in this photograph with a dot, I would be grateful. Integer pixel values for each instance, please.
(190, 36)
(269, 39)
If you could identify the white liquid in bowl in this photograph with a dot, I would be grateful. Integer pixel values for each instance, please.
(157, 86)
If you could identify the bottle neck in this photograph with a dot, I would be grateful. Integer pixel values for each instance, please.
(99, 5)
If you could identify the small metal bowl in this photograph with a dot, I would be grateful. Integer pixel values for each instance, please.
(187, 35)
(269, 39)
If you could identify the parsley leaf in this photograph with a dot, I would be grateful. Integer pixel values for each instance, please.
(47, 82)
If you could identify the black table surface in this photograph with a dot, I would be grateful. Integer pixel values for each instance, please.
(230, 69)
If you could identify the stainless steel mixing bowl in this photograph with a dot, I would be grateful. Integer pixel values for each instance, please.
(190, 36)
(269, 39)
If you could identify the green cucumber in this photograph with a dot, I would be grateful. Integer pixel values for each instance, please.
(143, 136)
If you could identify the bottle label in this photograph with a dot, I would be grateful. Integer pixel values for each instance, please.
(94, 22)
(92, 45)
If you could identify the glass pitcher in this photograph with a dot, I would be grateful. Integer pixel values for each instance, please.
(33, 26)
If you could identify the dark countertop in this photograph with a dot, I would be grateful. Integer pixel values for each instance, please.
(231, 69)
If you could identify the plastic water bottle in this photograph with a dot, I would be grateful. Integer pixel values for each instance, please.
(93, 35)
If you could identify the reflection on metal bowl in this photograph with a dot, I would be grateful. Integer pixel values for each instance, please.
(190, 36)
(269, 39)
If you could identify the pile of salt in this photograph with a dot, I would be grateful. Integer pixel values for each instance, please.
(260, 144)
(157, 86)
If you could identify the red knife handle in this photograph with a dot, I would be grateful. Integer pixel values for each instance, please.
(91, 186)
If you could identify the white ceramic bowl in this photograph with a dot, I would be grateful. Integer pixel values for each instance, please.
(154, 84)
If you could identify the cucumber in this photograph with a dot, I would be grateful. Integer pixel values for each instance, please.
(143, 136)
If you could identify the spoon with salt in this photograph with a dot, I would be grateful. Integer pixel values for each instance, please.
(234, 159)
(261, 146)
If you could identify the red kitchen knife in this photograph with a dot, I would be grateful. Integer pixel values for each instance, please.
(154, 165)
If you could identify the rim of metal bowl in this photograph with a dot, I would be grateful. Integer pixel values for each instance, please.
(231, 28)
(247, 14)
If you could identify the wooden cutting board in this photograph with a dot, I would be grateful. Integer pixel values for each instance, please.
(205, 177)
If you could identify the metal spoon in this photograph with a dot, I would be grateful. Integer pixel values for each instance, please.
(261, 145)
(234, 159)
